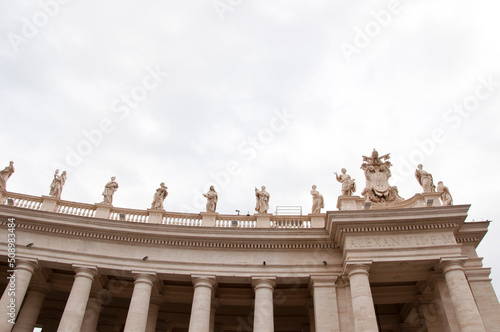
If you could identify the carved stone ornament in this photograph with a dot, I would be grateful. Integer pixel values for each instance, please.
(377, 173)
(5, 175)
(159, 196)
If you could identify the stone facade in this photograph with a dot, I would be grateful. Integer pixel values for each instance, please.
(411, 266)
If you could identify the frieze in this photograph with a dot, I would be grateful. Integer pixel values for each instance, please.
(391, 241)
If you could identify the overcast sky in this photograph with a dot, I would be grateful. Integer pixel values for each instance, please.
(241, 94)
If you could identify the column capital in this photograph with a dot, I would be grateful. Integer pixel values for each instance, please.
(447, 264)
(323, 281)
(147, 277)
(352, 268)
(86, 271)
(39, 286)
(204, 281)
(263, 282)
(29, 265)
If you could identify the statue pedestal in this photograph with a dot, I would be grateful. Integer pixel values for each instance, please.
(317, 220)
(350, 203)
(103, 210)
(263, 220)
(208, 219)
(155, 216)
(431, 199)
(49, 204)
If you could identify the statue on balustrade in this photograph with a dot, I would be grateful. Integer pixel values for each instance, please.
(5, 175)
(159, 196)
(348, 184)
(57, 184)
(318, 202)
(446, 198)
(212, 199)
(377, 173)
(109, 190)
(425, 179)
(262, 200)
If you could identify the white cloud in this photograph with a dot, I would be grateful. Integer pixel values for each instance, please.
(227, 78)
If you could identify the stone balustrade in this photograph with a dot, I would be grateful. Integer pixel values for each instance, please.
(106, 211)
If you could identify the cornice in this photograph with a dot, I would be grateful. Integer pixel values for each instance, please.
(165, 235)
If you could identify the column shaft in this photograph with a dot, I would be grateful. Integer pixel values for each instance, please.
(152, 317)
(28, 316)
(14, 293)
(74, 311)
(137, 316)
(264, 306)
(363, 308)
(202, 299)
(468, 317)
(92, 313)
(326, 315)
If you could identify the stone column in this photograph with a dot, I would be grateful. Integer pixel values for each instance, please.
(363, 308)
(326, 316)
(468, 317)
(154, 307)
(74, 311)
(108, 324)
(137, 316)
(310, 314)
(28, 316)
(19, 280)
(486, 300)
(213, 308)
(344, 302)
(202, 299)
(430, 311)
(92, 313)
(264, 307)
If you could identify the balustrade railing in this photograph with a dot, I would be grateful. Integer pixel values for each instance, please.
(290, 222)
(50, 204)
(76, 209)
(182, 219)
(23, 201)
(236, 221)
(131, 215)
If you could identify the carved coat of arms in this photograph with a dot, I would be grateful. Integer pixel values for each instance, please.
(377, 173)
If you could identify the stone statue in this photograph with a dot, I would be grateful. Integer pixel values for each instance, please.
(212, 199)
(159, 196)
(5, 175)
(109, 191)
(262, 200)
(377, 173)
(425, 179)
(57, 184)
(446, 198)
(318, 202)
(348, 185)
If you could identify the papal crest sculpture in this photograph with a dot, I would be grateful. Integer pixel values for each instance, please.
(377, 173)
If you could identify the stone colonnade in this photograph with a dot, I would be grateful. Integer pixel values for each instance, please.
(82, 307)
